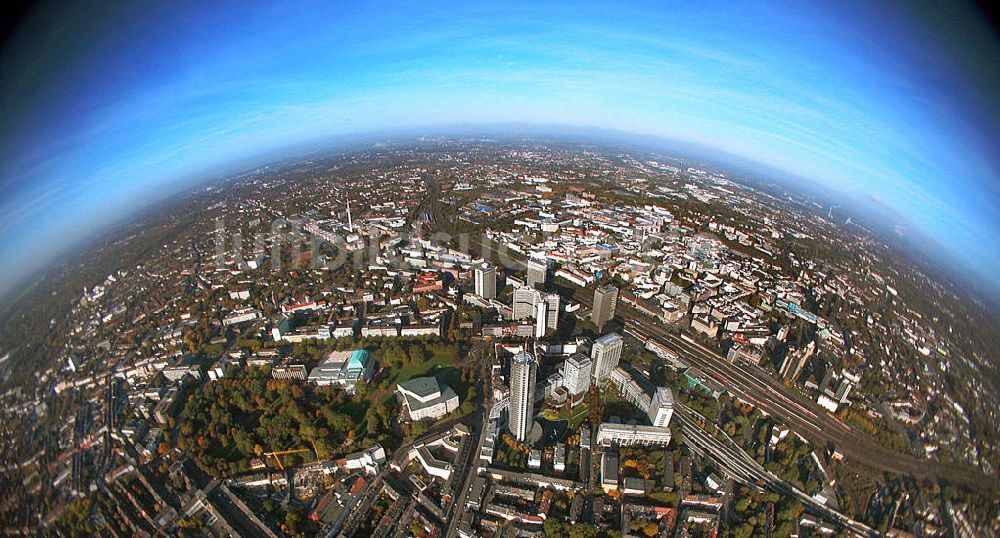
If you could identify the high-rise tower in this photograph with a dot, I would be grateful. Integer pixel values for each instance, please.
(576, 373)
(522, 395)
(541, 315)
(537, 272)
(605, 352)
(524, 302)
(605, 301)
(552, 301)
(486, 281)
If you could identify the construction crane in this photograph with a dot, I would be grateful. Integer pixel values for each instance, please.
(277, 458)
(278, 453)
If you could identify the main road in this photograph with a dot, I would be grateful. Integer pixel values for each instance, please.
(469, 468)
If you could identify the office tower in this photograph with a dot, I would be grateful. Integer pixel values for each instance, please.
(795, 360)
(576, 373)
(792, 365)
(486, 281)
(605, 352)
(843, 390)
(537, 271)
(525, 300)
(541, 316)
(552, 317)
(522, 395)
(661, 407)
(605, 301)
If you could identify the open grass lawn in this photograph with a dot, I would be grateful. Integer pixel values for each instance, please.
(575, 416)
(578, 418)
(429, 367)
(438, 363)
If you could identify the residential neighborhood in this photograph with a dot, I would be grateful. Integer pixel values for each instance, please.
(496, 338)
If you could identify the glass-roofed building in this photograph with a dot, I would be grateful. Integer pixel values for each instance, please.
(343, 369)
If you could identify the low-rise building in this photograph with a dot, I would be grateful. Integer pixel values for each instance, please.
(559, 458)
(609, 434)
(427, 398)
(535, 459)
(344, 369)
(241, 316)
(288, 369)
(609, 471)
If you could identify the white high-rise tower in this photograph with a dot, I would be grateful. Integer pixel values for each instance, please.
(576, 373)
(525, 302)
(486, 281)
(661, 407)
(605, 352)
(541, 318)
(522, 395)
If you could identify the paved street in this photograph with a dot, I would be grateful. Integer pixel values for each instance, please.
(469, 471)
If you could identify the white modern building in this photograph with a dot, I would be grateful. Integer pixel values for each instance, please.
(656, 402)
(576, 373)
(433, 466)
(523, 369)
(486, 281)
(527, 303)
(559, 458)
(541, 314)
(630, 389)
(609, 434)
(535, 459)
(369, 459)
(605, 353)
(427, 398)
(343, 369)
(241, 316)
(537, 271)
(525, 299)
(661, 409)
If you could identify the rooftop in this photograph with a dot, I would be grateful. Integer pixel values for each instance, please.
(359, 358)
(608, 339)
(524, 358)
(423, 387)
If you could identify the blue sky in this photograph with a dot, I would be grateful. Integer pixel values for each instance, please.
(108, 108)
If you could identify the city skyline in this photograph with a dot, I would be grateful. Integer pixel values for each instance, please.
(759, 359)
(475, 270)
(860, 99)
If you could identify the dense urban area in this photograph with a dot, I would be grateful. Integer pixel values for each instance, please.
(471, 337)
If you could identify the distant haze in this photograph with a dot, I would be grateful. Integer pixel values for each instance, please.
(109, 107)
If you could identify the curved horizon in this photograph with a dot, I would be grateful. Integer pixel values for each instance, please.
(106, 105)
